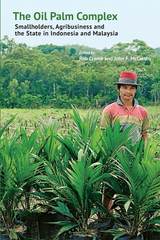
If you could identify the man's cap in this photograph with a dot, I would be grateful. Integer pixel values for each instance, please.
(128, 78)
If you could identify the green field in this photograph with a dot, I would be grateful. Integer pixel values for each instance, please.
(31, 117)
(36, 114)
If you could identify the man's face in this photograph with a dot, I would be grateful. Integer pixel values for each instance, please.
(127, 92)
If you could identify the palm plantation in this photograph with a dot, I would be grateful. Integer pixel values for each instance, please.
(63, 172)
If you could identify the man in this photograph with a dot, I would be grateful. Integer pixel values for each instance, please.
(126, 109)
(128, 112)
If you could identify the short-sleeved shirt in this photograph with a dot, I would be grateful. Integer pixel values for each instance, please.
(136, 116)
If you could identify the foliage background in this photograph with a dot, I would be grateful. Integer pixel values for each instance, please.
(59, 76)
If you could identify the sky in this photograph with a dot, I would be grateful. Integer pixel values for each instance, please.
(137, 19)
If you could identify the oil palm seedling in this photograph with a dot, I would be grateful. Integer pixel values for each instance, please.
(17, 173)
(27, 163)
(86, 127)
(77, 192)
(138, 209)
(49, 145)
(113, 138)
(8, 195)
(84, 132)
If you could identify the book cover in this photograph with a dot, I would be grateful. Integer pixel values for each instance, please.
(77, 174)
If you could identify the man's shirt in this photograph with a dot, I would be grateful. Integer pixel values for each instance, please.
(136, 116)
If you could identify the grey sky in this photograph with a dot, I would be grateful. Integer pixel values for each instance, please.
(138, 19)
